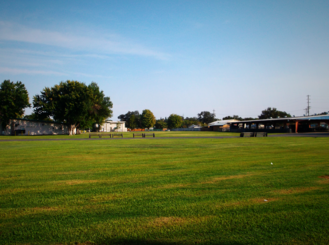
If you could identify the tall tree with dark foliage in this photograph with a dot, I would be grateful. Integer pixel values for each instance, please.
(273, 112)
(206, 117)
(14, 98)
(73, 103)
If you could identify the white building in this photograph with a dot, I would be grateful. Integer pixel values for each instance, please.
(221, 125)
(194, 126)
(34, 127)
(113, 126)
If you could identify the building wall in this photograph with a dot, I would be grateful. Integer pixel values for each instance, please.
(27, 127)
(109, 126)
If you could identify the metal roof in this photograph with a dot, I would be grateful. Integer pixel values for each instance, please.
(222, 122)
(34, 120)
(304, 118)
(109, 121)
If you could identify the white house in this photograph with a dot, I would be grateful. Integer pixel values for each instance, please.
(34, 127)
(113, 126)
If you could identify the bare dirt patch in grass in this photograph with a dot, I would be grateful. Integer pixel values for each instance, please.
(46, 208)
(165, 222)
(102, 181)
(76, 182)
(72, 172)
(171, 186)
(217, 179)
(324, 179)
(168, 221)
(297, 190)
(7, 178)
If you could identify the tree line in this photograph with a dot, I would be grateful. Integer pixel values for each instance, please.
(74, 103)
(81, 106)
(134, 120)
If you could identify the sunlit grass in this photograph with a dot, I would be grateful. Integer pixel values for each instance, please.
(172, 191)
(127, 135)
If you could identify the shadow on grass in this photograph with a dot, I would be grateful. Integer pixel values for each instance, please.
(159, 242)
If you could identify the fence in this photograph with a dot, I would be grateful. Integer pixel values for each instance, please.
(224, 130)
(142, 129)
(186, 129)
(137, 130)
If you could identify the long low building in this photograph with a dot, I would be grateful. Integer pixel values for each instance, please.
(21, 126)
(221, 125)
(280, 125)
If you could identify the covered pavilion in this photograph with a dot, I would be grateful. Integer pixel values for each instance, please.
(283, 125)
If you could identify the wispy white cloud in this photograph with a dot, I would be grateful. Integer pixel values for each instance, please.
(35, 53)
(97, 43)
(17, 71)
(28, 71)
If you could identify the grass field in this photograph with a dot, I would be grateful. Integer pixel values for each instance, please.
(129, 135)
(165, 191)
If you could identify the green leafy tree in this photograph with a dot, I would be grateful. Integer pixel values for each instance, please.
(73, 103)
(206, 117)
(126, 118)
(273, 112)
(188, 121)
(14, 98)
(133, 122)
(100, 107)
(174, 121)
(147, 119)
(160, 124)
(33, 116)
(232, 117)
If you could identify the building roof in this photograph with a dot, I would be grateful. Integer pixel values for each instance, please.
(109, 121)
(303, 118)
(33, 120)
(222, 122)
(194, 126)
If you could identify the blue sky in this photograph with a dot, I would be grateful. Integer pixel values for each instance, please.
(183, 57)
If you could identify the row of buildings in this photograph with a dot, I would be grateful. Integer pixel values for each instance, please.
(275, 125)
(278, 125)
(34, 127)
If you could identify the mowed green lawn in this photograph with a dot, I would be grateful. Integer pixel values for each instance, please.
(127, 135)
(165, 191)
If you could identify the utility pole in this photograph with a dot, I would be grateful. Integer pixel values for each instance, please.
(307, 109)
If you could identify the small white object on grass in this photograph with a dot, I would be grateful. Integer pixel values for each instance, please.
(265, 200)
(271, 163)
